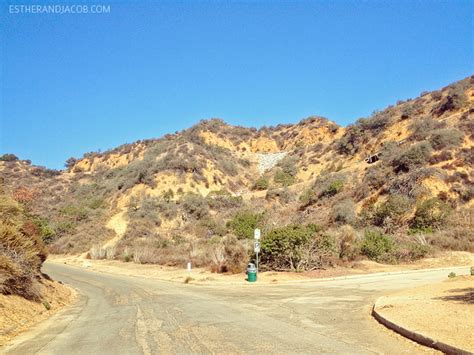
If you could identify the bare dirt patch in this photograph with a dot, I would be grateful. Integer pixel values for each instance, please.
(443, 311)
(17, 314)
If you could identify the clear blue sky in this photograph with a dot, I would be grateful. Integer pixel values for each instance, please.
(73, 83)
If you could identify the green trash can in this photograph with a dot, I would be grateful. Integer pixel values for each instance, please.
(251, 272)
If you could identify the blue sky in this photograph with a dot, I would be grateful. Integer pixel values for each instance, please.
(74, 83)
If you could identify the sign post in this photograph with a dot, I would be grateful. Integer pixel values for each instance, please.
(256, 234)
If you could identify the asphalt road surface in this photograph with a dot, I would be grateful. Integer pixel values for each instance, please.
(130, 315)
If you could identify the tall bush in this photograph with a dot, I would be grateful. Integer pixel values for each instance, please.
(377, 246)
(243, 223)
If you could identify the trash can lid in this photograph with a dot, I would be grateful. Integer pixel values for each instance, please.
(250, 265)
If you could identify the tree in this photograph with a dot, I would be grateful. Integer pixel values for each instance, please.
(9, 157)
(70, 163)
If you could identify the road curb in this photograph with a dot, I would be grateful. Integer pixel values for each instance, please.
(415, 336)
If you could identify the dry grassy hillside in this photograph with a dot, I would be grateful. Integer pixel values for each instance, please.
(21, 249)
(394, 186)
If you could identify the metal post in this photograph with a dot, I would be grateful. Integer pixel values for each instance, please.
(256, 264)
(256, 234)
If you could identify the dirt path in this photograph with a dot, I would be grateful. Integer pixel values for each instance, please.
(204, 276)
(118, 224)
(443, 311)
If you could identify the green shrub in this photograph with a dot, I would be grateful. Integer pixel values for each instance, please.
(376, 246)
(359, 133)
(446, 138)
(343, 212)
(390, 149)
(407, 111)
(423, 230)
(283, 178)
(374, 178)
(308, 197)
(455, 100)
(214, 227)
(244, 223)
(195, 205)
(62, 228)
(283, 195)
(44, 172)
(376, 123)
(9, 157)
(391, 213)
(76, 212)
(95, 203)
(289, 165)
(262, 183)
(412, 157)
(418, 251)
(224, 201)
(46, 231)
(146, 208)
(431, 214)
(350, 143)
(422, 128)
(70, 163)
(410, 184)
(295, 247)
(332, 189)
(229, 167)
(167, 209)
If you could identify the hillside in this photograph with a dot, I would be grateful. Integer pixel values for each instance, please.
(392, 187)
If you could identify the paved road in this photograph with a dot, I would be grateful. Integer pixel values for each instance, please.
(129, 315)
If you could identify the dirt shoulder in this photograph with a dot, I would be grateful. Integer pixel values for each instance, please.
(443, 312)
(204, 276)
(17, 314)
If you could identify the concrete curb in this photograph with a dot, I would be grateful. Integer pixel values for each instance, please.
(415, 336)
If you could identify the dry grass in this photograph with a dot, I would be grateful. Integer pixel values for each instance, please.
(21, 254)
(97, 252)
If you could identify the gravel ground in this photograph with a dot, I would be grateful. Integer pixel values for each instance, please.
(266, 161)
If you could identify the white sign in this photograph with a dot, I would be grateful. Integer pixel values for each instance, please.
(256, 233)
(257, 247)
